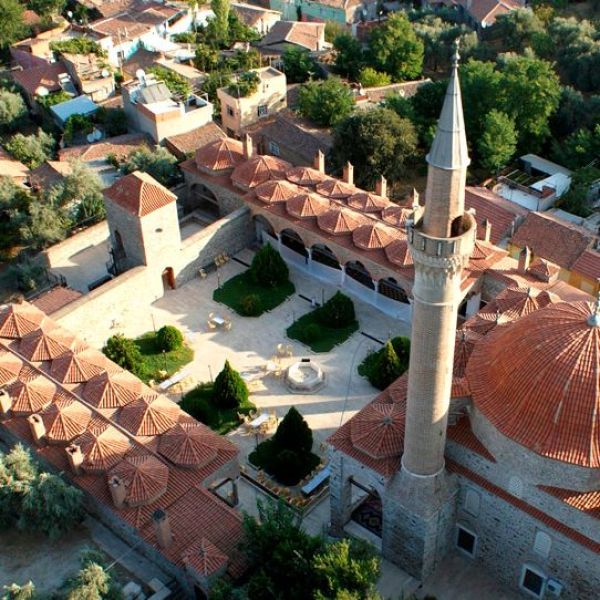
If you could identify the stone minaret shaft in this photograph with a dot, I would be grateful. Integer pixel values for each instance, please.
(441, 243)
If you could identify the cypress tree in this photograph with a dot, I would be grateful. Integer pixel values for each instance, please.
(230, 390)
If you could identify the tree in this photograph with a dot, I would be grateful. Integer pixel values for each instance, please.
(579, 149)
(219, 26)
(32, 150)
(77, 127)
(114, 120)
(124, 352)
(45, 225)
(369, 77)
(169, 338)
(298, 65)
(577, 199)
(230, 390)
(519, 29)
(268, 268)
(91, 583)
(206, 59)
(293, 433)
(332, 30)
(388, 367)
(47, 8)
(12, 27)
(395, 48)
(337, 312)
(158, 162)
(244, 85)
(377, 142)
(12, 110)
(327, 102)
(574, 111)
(19, 592)
(349, 56)
(14, 211)
(498, 141)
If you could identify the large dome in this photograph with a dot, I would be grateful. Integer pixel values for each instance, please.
(537, 380)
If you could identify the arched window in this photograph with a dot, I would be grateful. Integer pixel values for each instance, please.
(203, 199)
(389, 287)
(358, 271)
(119, 249)
(290, 239)
(542, 544)
(323, 254)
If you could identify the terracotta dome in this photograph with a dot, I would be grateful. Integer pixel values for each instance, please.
(373, 237)
(259, 169)
(378, 429)
(111, 390)
(396, 215)
(46, 343)
(145, 477)
(65, 420)
(307, 205)
(537, 380)
(271, 192)
(204, 557)
(20, 319)
(149, 415)
(367, 202)
(463, 347)
(77, 366)
(219, 155)
(398, 253)
(334, 188)
(10, 366)
(103, 448)
(30, 394)
(305, 176)
(338, 221)
(189, 445)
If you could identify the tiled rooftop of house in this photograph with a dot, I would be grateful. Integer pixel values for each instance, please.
(54, 299)
(120, 146)
(31, 80)
(305, 34)
(588, 264)
(160, 456)
(185, 144)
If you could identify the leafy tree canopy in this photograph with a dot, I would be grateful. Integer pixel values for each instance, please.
(32, 150)
(498, 141)
(298, 65)
(230, 390)
(326, 103)
(268, 268)
(12, 110)
(349, 56)
(124, 352)
(12, 27)
(369, 77)
(158, 162)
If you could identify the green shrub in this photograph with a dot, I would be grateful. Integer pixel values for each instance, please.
(196, 402)
(311, 333)
(268, 268)
(230, 390)
(337, 312)
(293, 433)
(250, 305)
(383, 367)
(124, 352)
(169, 338)
(288, 467)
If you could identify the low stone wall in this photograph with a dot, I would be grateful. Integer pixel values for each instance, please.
(92, 236)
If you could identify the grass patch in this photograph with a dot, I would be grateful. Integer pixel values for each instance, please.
(321, 338)
(233, 292)
(198, 403)
(153, 359)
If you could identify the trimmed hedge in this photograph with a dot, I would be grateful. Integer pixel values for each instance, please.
(268, 269)
(169, 338)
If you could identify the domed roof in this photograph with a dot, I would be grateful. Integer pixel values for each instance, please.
(149, 415)
(10, 366)
(144, 476)
(396, 215)
(46, 343)
(537, 380)
(20, 319)
(368, 202)
(307, 205)
(372, 236)
(305, 176)
(111, 390)
(463, 347)
(77, 366)
(219, 155)
(275, 191)
(204, 557)
(65, 420)
(338, 221)
(378, 429)
(334, 188)
(103, 448)
(189, 445)
(399, 254)
(259, 169)
(31, 393)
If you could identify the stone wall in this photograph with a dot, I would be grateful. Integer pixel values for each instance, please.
(92, 236)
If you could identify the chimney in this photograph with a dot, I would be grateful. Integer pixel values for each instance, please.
(348, 175)
(5, 402)
(118, 491)
(248, 147)
(162, 528)
(38, 429)
(381, 187)
(319, 162)
(75, 458)
(487, 230)
(524, 259)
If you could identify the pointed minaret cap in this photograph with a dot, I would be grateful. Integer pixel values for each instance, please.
(449, 149)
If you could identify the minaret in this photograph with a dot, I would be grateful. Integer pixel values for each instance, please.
(441, 239)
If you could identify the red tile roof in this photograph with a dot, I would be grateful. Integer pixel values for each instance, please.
(373, 236)
(368, 202)
(588, 264)
(121, 146)
(185, 144)
(150, 415)
(139, 194)
(112, 390)
(10, 366)
(307, 205)
(558, 241)
(307, 35)
(204, 557)
(276, 191)
(79, 365)
(31, 80)
(53, 300)
(103, 447)
(399, 254)
(31, 393)
(189, 445)
(19, 320)
(339, 221)
(259, 169)
(543, 270)
(334, 188)
(462, 434)
(144, 476)
(537, 380)
(46, 343)
(378, 429)
(219, 155)
(587, 502)
(305, 176)
(64, 420)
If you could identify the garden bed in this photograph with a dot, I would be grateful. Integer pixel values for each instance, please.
(233, 292)
(154, 360)
(327, 337)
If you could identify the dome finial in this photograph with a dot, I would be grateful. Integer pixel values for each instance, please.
(594, 319)
(456, 55)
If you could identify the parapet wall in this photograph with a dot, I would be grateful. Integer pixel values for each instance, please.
(57, 254)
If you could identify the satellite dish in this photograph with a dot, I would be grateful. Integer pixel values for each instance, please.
(42, 91)
(105, 73)
(96, 134)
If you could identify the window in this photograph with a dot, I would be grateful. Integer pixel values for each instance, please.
(274, 149)
(466, 540)
(542, 544)
(230, 111)
(533, 581)
(472, 502)
(263, 110)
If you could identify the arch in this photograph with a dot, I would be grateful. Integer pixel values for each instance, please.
(367, 507)
(202, 199)
(168, 279)
(323, 254)
(119, 249)
(263, 227)
(390, 288)
(292, 240)
(360, 273)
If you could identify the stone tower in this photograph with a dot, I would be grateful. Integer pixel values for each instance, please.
(441, 240)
